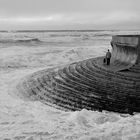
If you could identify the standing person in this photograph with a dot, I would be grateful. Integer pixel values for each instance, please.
(108, 57)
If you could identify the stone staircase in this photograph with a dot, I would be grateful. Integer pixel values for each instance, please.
(86, 84)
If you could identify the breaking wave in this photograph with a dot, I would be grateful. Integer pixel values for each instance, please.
(29, 40)
(103, 35)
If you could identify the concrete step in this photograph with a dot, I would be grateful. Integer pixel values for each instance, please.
(110, 76)
(125, 75)
(109, 87)
(71, 97)
(72, 93)
(49, 96)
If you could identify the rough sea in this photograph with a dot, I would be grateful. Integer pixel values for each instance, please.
(22, 53)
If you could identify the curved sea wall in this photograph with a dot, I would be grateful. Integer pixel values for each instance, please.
(126, 48)
(88, 84)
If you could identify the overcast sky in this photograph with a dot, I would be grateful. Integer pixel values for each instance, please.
(69, 14)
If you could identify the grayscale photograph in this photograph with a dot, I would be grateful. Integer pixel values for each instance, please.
(69, 70)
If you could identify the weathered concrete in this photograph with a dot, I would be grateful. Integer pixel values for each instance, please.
(126, 48)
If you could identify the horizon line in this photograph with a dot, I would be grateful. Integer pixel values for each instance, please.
(64, 30)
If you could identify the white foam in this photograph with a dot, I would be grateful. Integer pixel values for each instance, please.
(20, 119)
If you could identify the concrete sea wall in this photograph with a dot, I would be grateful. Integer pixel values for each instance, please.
(126, 48)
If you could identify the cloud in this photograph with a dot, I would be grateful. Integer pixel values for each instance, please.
(32, 19)
(74, 20)
(68, 13)
(120, 16)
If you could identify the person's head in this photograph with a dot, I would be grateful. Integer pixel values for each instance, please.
(108, 50)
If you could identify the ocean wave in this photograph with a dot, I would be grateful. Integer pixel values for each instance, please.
(103, 35)
(65, 35)
(26, 40)
(82, 36)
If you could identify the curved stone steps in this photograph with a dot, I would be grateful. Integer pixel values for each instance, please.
(67, 95)
(49, 86)
(99, 103)
(78, 80)
(135, 76)
(74, 81)
(49, 95)
(101, 89)
(83, 102)
(37, 92)
(118, 101)
(107, 100)
(84, 94)
(94, 71)
(108, 88)
(73, 88)
(62, 82)
(35, 95)
(133, 80)
(76, 93)
(71, 74)
(87, 80)
(135, 69)
(110, 76)
(126, 75)
(126, 86)
(95, 75)
(128, 83)
(48, 101)
(116, 93)
(121, 100)
(93, 66)
(87, 94)
(102, 99)
(92, 94)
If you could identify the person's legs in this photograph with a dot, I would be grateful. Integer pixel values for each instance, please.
(104, 61)
(107, 61)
